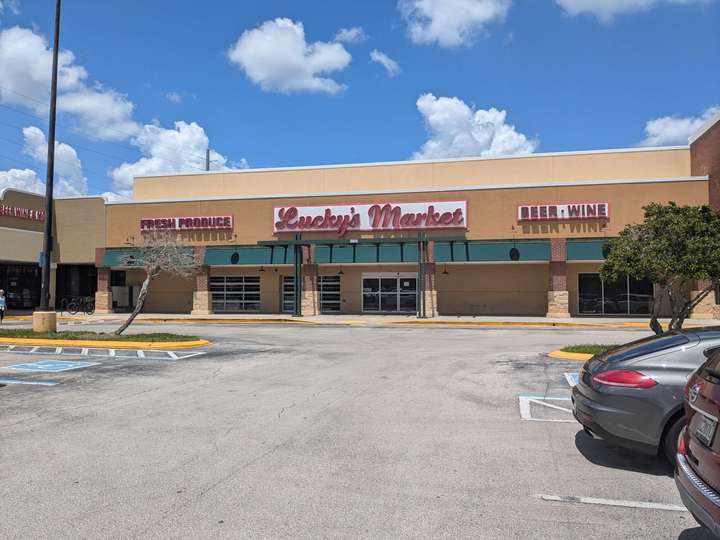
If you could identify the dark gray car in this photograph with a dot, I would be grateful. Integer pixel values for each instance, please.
(632, 396)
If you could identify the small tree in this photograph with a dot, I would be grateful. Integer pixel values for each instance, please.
(161, 252)
(673, 247)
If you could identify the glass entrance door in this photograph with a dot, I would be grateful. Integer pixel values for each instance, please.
(389, 293)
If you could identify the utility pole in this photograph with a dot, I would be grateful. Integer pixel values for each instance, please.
(45, 320)
(207, 159)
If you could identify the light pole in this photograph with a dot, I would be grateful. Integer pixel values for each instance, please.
(45, 320)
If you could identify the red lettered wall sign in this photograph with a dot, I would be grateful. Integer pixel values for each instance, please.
(565, 211)
(194, 223)
(22, 213)
(370, 217)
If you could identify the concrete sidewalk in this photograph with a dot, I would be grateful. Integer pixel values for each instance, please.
(389, 320)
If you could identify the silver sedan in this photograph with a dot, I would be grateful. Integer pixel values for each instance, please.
(632, 395)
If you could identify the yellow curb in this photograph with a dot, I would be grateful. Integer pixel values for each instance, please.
(500, 323)
(225, 321)
(109, 344)
(579, 357)
(29, 318)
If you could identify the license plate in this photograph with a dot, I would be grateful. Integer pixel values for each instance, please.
(705, 429)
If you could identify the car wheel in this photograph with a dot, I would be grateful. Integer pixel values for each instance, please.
(672, 437)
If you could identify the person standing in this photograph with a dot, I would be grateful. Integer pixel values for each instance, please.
(3, 305)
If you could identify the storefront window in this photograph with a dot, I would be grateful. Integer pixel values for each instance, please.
(623, 297)
(22, 285)
(329, 287)
(234, 294)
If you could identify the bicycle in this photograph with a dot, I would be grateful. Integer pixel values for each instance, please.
(85, 304)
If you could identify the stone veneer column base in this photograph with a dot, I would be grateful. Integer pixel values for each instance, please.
(707, 309)
(431, 303)
(201, 303)
(103, 302)
(558, 303)
(309, 303)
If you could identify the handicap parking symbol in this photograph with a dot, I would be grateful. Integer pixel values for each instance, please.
(52, 366)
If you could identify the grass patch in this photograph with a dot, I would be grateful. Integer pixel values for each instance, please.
(588, 348)
(93, 336)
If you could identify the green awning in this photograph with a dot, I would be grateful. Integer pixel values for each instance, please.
(586, 250)
(248, 255)
(526, 251)
(125, 258)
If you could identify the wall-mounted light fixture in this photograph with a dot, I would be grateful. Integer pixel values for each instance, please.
(445, 272)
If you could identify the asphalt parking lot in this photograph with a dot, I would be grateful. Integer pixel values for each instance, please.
(320, 431)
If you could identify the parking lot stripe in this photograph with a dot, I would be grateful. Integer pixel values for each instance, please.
(35, 383)
(614, 502)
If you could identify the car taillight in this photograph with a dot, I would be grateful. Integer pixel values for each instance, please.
(625, 378)
(681, 443)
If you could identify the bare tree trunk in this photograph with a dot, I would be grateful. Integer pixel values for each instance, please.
(655, 325)
(138, 307)
(690, 305)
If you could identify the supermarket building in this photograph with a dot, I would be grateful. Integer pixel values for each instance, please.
(518, 236)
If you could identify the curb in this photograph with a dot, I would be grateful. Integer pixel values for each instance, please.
(109, 344)
(227, 321)
(577, 357)
(499, 323)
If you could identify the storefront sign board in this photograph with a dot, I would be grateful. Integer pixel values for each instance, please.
(194, 223)
(564, 211)
(370, 217)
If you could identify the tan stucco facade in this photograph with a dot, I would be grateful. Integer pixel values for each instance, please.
(564, 167)
(492, 213)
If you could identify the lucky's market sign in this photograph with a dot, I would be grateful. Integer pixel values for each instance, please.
(371, 217)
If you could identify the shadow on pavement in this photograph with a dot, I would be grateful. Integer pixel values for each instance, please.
(601, 453)
(696, 533)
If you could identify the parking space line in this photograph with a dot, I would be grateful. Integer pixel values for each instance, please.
(34, 383)
(525, 413)
(614, 502)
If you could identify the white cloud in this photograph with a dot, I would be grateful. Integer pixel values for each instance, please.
(450, 23)
(167, 151)
(23, 179)
(103, 114)
(351, 35)
(276, 57)
(671, 130)
(605, 10)
(25, 69)
(12, 5)
(173, 97)
(69, 180)
(457, 130)
(390, 65)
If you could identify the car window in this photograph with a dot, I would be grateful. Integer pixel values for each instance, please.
(714, 360)
(645, 346)
(709, 352)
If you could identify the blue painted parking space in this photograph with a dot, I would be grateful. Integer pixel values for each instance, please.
(51, 366)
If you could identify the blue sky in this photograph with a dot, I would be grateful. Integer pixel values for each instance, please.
(570, 74)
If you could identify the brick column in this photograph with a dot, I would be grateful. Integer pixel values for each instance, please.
(202, 300)
(558, 296)
(705, 160)
(707, 309)
(103, 295)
